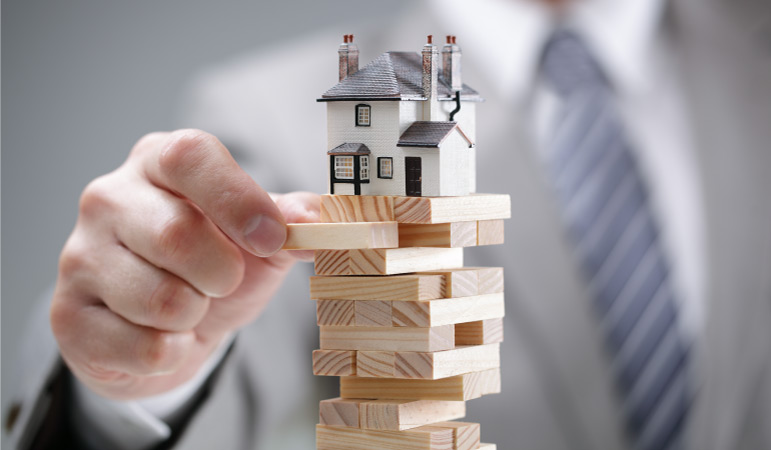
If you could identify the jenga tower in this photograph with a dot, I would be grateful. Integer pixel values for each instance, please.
(411, 333)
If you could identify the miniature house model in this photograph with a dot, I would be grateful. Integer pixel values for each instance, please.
(400, 127)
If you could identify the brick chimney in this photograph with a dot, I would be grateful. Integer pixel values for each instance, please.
(430, 73)
(349, 57)
(451, 64)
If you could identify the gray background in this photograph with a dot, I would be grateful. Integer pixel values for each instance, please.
(82, 80)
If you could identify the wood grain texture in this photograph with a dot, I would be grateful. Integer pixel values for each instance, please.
(460, 387)
(394, 287)
(452, 209)
(386, 261)
(459, 282)
(339, 363)
(445, 235)
(490, 279)
(483, 446)
(335, 312)
(465, 434)
(343, 438)
(313, 236)
(480, 332)
(356, 208)
(388, 339)
(407, 414)
(489, 232)
(432, 313)
(427, 365)
(375, 364)
(372, 313)
(340, 412)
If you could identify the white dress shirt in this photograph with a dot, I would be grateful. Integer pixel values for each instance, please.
(624, 39)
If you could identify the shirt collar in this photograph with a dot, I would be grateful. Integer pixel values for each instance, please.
(504, 38)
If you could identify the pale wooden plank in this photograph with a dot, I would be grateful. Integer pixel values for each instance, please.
(335, 312)
(489, 232)
(341, 412)
(337, 363)
(448, 363)
(394, 287)
(407, 414)
(487, 447)
(490, 279)
(386, 261)
(445, 235)
(431, 313)
(356, 208)
(460, 387)
(372, 313)
(388, 339)
(343, 438)
(452, 209)
(375, 364)
(458, 282)
(318, 236)
(480, 332)
(465, 435)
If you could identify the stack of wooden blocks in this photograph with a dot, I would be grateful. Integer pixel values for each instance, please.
(411, 332)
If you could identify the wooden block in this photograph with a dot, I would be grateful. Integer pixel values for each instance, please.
(460, 282)
(490, 279)
(342, 438)
(386, 261)
(313, 236)
(489, 232)
(375, 364)
(446, 235)
(436, 365)
(452, 209)
(340, 412)
(335, 312)
(337, 363)
(432, 313)
(356, 208)
(465, 435)
(487, 447)
(388, 339)
(406, 414)
(480, 332)
(373, 313)
(394, 287)
(460, 387)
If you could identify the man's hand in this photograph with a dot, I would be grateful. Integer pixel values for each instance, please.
(171, 252)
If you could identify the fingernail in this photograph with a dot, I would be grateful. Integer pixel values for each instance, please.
(265, 235)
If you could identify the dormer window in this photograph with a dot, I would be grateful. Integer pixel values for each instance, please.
(363, 115)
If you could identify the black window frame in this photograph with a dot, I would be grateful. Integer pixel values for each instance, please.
(356, 116)
(379, 175)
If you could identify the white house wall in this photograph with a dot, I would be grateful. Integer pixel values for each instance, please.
(453, 166)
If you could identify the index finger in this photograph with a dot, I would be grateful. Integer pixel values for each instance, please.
(196, 166)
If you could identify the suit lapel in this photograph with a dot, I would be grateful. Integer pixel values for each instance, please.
(730, 104)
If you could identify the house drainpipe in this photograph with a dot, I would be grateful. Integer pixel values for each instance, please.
(457, 106)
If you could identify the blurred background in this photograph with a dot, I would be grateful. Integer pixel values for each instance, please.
(82, 80)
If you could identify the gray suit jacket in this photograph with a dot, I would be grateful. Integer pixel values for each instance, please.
(557, 386)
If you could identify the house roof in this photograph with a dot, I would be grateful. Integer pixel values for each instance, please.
(392, 76)
(429, 134)
(350, 148)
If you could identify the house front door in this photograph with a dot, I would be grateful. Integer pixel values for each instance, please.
(413, 176)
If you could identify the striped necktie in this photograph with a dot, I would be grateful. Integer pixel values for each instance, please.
(607, 216)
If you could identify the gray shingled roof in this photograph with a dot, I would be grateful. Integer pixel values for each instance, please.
(350, 148)
(428, 134)
(392, 76)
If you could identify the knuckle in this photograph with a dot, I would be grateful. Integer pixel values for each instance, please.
(175, 235)
(73, 260)
(96, 197)
(176, 306)
(148, 142)
(60, 317)
(186, 150)
(158, 351)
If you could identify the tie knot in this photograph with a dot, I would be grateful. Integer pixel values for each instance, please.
(568, 66)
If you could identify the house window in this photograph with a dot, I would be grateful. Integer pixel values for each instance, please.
(385, 167)
(363, 115)
(344, 167)
(364, 167)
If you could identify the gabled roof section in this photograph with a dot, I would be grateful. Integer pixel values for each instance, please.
(350, 148)
(391, 76)
(429, 134)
